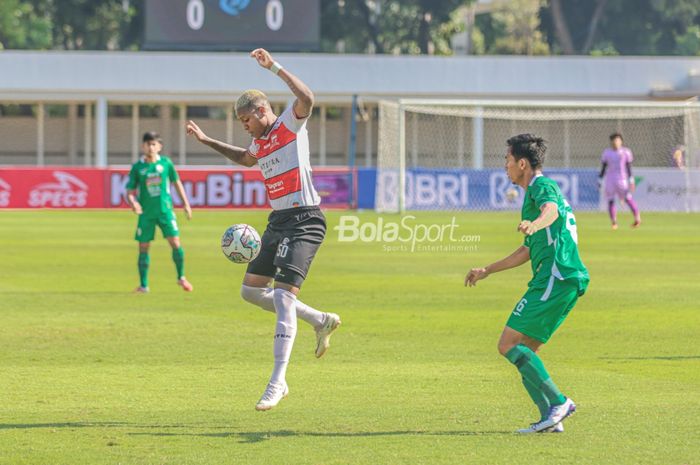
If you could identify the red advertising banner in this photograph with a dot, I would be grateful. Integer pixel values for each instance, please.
(207, 188)
(52, 188)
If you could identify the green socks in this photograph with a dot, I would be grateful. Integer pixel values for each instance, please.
(531, 368)
(179, 259)
(144, 262)
(538, 398)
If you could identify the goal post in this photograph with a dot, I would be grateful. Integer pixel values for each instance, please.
(449, 154)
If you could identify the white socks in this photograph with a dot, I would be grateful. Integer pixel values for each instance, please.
(262, 297)
(285, 331)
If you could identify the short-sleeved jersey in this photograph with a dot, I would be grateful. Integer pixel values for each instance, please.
(153, 183)
(283, 158)
(553, 250)
(616, 172)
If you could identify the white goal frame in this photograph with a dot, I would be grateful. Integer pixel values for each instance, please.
(478, 105)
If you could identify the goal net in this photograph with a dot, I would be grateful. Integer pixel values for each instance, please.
(449, 155)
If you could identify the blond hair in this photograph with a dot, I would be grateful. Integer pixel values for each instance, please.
(250, 100)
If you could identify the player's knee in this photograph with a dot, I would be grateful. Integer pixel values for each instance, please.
(504, 347)
(251, 294)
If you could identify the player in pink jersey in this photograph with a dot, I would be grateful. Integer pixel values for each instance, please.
(616, 174)
(296, 227)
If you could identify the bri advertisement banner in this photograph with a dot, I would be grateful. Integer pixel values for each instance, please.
(489, 189)
(206, 188)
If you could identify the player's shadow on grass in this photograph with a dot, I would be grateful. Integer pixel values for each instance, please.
(660, 357)
(260, 436)
(245, 437)
(77, 424)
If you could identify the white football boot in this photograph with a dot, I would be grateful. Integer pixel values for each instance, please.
(557, 414)
(558, 428)
(323, 333)
(272, 396)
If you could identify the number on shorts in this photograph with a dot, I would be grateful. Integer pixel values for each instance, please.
(283, 248)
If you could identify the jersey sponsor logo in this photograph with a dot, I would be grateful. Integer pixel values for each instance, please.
(154, 183)
(5, 193)
(233, 7)
(283, 184)
(279, 137)
(267, 165)
(68, 191)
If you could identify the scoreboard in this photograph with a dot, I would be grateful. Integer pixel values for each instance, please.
(282, 25)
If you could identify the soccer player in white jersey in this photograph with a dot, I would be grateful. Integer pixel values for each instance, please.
(296, 227)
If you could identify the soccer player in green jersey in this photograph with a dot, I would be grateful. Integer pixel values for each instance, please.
(559, 278)
(151, 176)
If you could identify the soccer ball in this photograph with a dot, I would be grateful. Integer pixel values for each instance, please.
(241, 243)
(512, 194)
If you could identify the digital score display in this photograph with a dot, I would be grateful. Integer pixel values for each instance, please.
(281, 25)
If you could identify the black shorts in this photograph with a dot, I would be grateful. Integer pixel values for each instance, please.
(289, 244)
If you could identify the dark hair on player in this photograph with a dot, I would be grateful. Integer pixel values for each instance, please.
(615, 135)
(152, 136)
(528, 146)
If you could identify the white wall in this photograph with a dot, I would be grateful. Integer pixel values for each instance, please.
(19, 139)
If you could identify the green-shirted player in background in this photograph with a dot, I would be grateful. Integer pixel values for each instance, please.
(152, 176)
(559, 278)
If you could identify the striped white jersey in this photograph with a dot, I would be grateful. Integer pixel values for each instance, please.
(283, 158)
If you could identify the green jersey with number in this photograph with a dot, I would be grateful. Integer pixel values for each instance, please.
(553, 250)
(153, 183)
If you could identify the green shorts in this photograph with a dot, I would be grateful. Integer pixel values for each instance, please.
(146, 229)
(543, 309)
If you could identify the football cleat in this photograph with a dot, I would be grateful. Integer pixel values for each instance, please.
(557, 414)
(324, 332)
(185, 284)
(141, 290)
(559, 428)
(272, 396)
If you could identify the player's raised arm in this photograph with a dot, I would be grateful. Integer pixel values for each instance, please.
(517, 258)
(235, 154)
(305, 98)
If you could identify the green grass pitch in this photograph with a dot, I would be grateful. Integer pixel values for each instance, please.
(93, 374)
